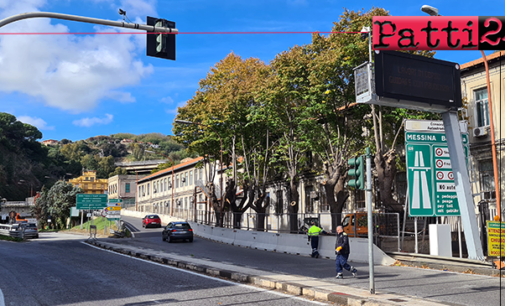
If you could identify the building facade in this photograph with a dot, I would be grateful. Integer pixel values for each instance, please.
(123, 187)
(475, 94)
(89, 183)
(157, 194)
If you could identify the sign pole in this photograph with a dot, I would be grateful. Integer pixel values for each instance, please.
(415, 230)
(370, 219)
(82, 216)
(462, 183)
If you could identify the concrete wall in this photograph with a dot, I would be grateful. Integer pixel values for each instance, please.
(282, 243)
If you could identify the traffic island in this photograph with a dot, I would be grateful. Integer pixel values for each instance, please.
(308, 287)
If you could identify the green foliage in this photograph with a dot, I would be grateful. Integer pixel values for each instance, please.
(55, 203)
(118, 171)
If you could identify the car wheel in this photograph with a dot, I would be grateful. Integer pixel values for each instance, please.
(170, 239)
(190, 239)
(37, 236)
(163, 237)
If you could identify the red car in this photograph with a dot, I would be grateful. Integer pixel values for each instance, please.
(151, 220)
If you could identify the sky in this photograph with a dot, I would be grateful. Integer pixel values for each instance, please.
(78, 86)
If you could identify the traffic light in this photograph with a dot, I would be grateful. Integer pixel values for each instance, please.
(358, 172)
(161, 45)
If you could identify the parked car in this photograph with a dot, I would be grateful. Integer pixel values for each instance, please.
(30, 229)
(177, 231)
(151, 220)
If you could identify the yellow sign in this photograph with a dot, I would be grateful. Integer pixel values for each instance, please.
(111, 208)
(495, 238)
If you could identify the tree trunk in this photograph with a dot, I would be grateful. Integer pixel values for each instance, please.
(293, 206)
(386, 172)
(237, 219)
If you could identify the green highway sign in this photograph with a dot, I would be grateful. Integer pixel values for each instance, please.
(115, 201)
(432, 191)
(91, 201)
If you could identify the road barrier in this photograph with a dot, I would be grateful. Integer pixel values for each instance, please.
(280, 242)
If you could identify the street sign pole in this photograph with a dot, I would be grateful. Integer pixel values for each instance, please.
(370, 219)
(462, 183)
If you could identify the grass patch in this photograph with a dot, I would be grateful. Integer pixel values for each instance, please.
(100, 225)
(9, 238)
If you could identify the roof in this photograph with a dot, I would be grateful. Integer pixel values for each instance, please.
(181, 165)
(481, 60)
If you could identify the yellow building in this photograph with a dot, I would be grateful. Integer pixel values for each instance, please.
(89, 183)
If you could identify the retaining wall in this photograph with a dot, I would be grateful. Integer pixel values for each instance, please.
(282, 243)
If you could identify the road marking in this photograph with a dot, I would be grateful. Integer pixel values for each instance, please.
(209, 277)
(2, 302)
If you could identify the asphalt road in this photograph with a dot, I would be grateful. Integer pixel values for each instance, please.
(58, 269)
(449, 287)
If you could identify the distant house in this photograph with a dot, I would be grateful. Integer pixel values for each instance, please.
(152, 145)
(126, 141)
(50, 142)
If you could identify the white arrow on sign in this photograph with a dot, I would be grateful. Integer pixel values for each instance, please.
(422, 184)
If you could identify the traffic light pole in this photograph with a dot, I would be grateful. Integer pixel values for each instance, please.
(370, 218)
(120, 24)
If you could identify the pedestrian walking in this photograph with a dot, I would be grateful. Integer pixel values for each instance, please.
(313, 233)
(342, 250)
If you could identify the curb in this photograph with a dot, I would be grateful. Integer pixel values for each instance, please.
(289, 287)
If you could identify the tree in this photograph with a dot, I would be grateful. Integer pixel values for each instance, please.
(222, 105)
(56, 203)
(105, 167)
(118, 171)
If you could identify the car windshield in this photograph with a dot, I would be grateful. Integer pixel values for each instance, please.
(153, 217)
(181, 226)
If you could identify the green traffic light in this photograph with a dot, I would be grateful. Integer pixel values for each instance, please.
(357, 172)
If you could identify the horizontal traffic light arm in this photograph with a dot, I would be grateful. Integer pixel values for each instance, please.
(120, 24)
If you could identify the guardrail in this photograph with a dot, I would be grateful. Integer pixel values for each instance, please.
(11, 230)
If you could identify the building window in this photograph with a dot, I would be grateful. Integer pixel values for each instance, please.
(190, 178)
(165, 184)
(94, 186)
(148, 186)
(201, 174)
(481, 107)
(140, 193)
(279, 205)
(92, 179)
(127, 188)
(309, 202)
(487, 187)
(177, 181)
(196, 175)
(323, 200)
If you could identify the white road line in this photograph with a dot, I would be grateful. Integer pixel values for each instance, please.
(2, 302)
(210, 277)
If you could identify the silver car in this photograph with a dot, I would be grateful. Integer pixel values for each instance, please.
(30, 230)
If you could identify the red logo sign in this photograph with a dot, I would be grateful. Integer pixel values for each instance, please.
(440, 175)
(439, 152)
(439, 163)
(438, 33)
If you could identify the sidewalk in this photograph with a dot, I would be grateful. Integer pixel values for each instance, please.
(294, 284)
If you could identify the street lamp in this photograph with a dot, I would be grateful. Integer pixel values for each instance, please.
(432, 11)
(173, 165)
(221, 144)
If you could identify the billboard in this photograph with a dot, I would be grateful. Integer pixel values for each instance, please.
(438, 33)
(417, 82)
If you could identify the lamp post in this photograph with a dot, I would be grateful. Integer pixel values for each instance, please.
(221, 144)
(173, 165)
(432, 11)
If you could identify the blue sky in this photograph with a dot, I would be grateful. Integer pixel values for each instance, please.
(78, 86)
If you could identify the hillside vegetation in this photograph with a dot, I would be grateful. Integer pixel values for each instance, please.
(26, 164)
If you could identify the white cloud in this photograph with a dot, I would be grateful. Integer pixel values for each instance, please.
(36, 122)
(87, 122)
(69, 72)
(167, 100)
